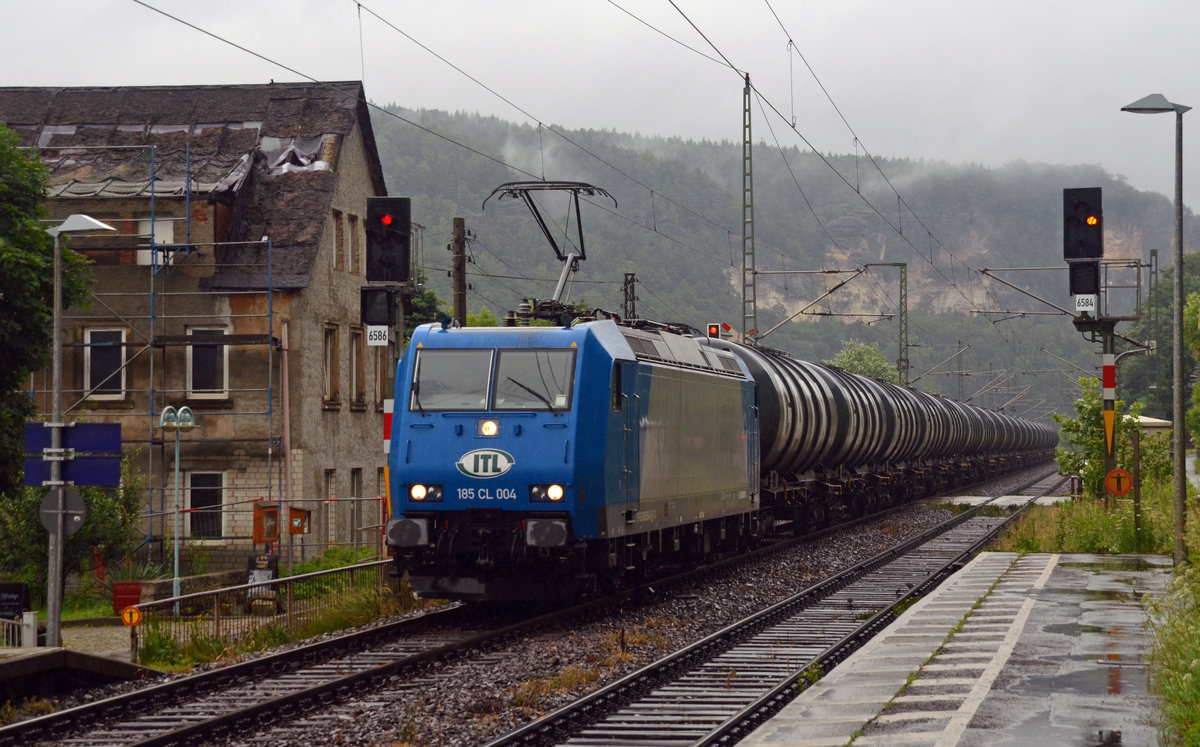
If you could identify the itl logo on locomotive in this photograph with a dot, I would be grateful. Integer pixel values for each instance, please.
(485, 463)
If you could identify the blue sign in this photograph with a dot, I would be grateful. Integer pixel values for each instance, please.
(85, 438)
(97, 457)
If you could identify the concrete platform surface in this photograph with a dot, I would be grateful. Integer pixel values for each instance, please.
(1042, 649)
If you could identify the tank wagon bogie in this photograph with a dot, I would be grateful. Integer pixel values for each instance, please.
(537, 462)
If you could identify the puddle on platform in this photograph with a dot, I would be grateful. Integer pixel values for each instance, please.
(1073, 629)
(1123, 563)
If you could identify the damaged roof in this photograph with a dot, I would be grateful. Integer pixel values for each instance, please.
(265, 150)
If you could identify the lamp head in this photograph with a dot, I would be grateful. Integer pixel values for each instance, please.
(177, 420)
(1155, 103)
(78, 223)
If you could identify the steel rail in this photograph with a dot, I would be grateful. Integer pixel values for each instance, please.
(572, 719)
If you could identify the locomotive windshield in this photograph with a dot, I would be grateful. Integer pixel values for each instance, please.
(534, 379)
(449, 380)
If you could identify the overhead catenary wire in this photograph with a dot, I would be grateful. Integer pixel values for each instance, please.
(901, 202)
(654, 227)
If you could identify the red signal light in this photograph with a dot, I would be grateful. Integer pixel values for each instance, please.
(386, 219)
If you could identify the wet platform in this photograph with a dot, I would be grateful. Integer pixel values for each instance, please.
(1038, 649)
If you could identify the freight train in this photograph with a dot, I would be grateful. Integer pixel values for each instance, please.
(535, 463)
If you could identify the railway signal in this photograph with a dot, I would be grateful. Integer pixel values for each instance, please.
(377, 306)
(714, 330)
(389, 224)
(1083, 224)
(1084, 277)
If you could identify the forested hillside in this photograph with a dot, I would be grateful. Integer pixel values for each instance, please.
(677, 225)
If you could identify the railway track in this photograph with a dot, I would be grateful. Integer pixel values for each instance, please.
(718, 689)
(233, 702)
(189, 708)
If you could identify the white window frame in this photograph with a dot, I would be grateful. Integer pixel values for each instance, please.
(87, 364)
(223, 392)
(189, 514)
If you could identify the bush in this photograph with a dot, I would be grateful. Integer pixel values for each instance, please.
(1089, 526)
(1174, 656)
(109, 531)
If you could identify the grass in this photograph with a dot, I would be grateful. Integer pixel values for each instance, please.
(11, 712)
(614, 650)
(160, 649)
(1174, 657)
(530, 694)
(82, 605)
(1091, 526)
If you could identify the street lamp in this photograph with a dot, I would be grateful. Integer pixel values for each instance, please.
(76, 223)
(176, 420)
(1156, 103)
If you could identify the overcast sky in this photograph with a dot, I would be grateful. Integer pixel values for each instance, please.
(965, 81)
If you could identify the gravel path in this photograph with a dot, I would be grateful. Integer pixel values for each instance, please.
(110, 641)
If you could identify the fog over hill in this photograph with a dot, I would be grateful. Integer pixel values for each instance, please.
(677, 225)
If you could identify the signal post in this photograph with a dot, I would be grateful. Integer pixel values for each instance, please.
(1083, 250)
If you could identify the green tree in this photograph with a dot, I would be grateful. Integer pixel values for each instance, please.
(109, 531)
(482, 318)
(423, 308)
(1082, 452)
(866, 360)
(1191, 338)
(26, 295)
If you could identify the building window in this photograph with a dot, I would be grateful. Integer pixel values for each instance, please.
(206, 505)
(358, 368)
(339, 241)
(208, 364)
(330, 504)
(332, 383)
(383, 374)
(355, 259)
(163, 233)
(356, 484)
(381, 494)
(104, 362)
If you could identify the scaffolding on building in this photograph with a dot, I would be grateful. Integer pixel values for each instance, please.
(168, 329)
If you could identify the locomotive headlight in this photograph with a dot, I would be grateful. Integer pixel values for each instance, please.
(546, 493)
(426, 493)
(487, 427)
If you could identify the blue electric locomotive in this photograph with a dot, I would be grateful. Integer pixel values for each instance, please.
(548, 462)
(534, 462)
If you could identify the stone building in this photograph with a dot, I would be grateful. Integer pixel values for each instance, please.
(231, 287)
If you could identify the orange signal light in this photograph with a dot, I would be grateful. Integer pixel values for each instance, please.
(1092, 220)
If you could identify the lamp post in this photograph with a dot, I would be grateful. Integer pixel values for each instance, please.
(1156, 103)
(176, 420)
(73, 224)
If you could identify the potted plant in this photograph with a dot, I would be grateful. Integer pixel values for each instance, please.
(124, 581)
